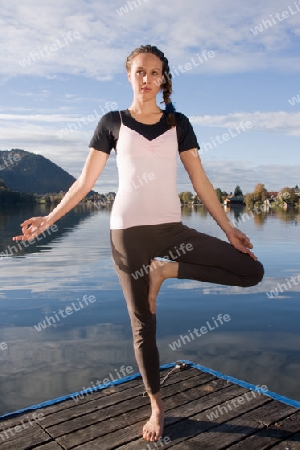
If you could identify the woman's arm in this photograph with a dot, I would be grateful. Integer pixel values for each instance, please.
(93, 167)
(206, 192)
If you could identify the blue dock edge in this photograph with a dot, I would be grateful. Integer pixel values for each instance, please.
(99, 387)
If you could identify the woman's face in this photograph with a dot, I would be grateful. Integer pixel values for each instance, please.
(146, 75)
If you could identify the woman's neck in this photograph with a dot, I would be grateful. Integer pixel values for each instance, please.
(144, 108)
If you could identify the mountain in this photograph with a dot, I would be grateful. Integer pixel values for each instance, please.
(27, 172)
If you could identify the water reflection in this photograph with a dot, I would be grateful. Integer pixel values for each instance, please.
(11, 218)
(240, 213)
(260, 344)
(192, 210)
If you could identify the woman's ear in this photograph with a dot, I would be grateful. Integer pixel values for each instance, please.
(129, 76)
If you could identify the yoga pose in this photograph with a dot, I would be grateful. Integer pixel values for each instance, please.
(145, 221)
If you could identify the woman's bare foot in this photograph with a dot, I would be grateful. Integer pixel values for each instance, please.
(159, 271)
(153, 429)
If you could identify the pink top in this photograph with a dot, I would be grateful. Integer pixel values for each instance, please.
(147, 193)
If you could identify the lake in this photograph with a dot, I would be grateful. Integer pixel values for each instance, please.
(72, 267)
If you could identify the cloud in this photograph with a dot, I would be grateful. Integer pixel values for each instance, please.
(264, 287)
(41, 118)
(100, 50)
(38, 133)
(275, 121)
(72, 244)
(226, 174)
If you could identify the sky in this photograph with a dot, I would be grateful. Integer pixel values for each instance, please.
(235, 69)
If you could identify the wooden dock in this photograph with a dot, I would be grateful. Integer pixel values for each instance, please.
(203, 412)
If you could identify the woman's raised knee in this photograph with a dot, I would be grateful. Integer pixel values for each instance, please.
(255, 276)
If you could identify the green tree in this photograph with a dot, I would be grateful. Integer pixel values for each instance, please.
(249, 200)
(219, 194)
(47, 199)
(260, 193)
(238, 191)
(186, 197)
(197, 200)
(288, 194)
(224, 196)
(2, 184)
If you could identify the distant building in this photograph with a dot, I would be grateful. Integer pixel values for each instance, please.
(272, 197)
(272, 194)
(231, 200)
(288, 205)
(110, 197)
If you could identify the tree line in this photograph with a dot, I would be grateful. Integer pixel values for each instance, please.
(259, 196)
(9, 197)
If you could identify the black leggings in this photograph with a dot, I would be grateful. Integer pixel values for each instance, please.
(200, 257)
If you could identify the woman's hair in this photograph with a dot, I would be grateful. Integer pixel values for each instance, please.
(166, 82)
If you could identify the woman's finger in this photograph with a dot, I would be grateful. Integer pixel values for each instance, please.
(246, 241)
(18, 238)
(27, 222)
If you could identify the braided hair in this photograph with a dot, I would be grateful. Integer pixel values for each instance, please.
(166, 82)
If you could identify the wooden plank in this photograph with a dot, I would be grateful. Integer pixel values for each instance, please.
(184, 433)
(202, 412)
(50, 446)
(111, 425)
(244, 425)
(24, 439)
(276, 433)
(125, 400)
(109, 391)
(113, 394)
(23, 419)
(133, 430)
(292, 443)
(180, 415)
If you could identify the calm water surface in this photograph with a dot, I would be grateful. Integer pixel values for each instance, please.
(260, 344)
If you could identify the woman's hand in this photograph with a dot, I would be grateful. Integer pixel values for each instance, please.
(240, 241)
(31, 228)
(207, 193)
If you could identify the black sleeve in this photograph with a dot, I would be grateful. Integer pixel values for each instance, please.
(185, 134)
(107, 132)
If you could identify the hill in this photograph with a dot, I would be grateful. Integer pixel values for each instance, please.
(27, 172)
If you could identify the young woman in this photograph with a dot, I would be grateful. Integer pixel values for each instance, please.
(145, 220)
